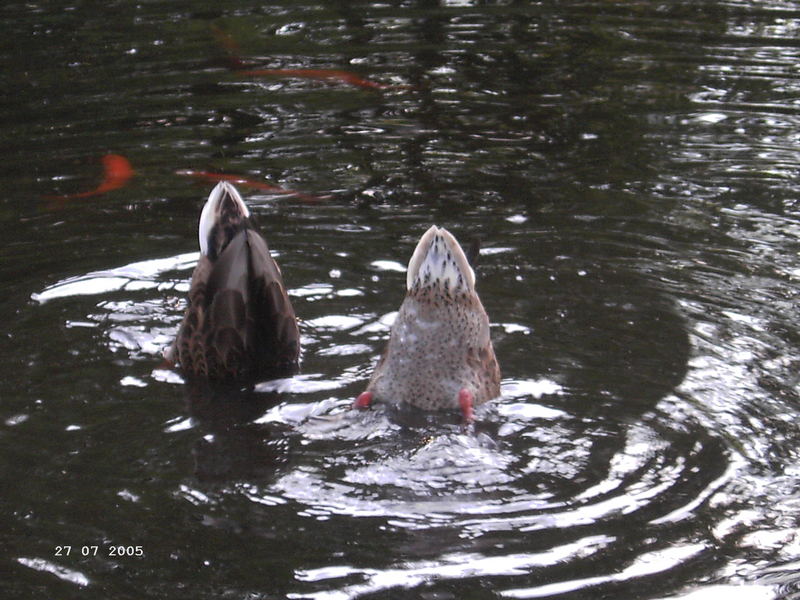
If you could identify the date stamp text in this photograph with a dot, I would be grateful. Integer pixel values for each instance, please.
(110, 551)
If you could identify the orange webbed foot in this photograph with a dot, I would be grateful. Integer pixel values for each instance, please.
(466, 401)
(364, 400)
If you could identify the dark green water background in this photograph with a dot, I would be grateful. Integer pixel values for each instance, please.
(631, 167)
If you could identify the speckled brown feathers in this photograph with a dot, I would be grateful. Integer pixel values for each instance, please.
(239, 324)
(439, 344)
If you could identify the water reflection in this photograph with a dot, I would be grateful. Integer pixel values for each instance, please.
(232, 447)
(631, 166)
(604, 442)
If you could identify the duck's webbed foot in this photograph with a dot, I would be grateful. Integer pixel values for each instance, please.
(466, 401)
(364, 400)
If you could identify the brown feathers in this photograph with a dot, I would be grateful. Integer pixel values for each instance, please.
(239, 324)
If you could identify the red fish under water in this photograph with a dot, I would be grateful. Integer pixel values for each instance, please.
(243, 181)
(235, 63)
(334, 75)
(231, 47)
(117, 173)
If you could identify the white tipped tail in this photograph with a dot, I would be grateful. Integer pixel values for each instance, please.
(213, 208)
(438, 258)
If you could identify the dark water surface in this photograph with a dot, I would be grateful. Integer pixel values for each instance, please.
(631, 168)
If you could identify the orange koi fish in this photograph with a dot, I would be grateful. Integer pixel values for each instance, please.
(243, 181)
(117, 172)
(329, 75)
(235, 63)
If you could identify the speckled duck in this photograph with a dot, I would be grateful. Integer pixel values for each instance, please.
(439, 355)
(239, 324)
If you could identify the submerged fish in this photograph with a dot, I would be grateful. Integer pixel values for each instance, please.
(230, 45)
(243, 181)
(235, 63)
(439, 355)
(239, 324)
(329, 75)
(117, 172)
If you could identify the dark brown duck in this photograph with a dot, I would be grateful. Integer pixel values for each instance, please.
(239, 324)
(439, 355)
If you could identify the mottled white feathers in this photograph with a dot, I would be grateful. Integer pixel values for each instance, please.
(438, 258)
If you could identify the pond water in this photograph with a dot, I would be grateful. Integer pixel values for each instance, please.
(631, 170)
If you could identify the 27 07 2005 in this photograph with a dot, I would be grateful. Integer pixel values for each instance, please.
(113, 551)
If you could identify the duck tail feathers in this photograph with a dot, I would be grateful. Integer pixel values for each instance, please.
(439, 259)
